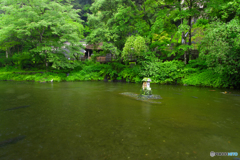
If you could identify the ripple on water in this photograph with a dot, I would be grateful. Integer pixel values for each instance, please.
(145, 98)
(23, 96)
(10, 90)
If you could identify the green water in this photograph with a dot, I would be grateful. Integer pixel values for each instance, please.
(93, 121)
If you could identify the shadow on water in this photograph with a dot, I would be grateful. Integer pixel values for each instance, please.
(12, 141)
(10, 109)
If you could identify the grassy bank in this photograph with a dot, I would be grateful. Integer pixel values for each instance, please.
(168, 72)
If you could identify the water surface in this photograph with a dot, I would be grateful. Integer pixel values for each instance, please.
(93, 121)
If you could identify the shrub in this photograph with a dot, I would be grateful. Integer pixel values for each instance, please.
(164, 72)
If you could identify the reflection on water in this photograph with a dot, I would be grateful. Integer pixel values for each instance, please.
(11, 141)
(10, 90)
(93, 121)
(23, 96)
(144, 98)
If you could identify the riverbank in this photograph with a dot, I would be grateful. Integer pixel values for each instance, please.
(104, 72)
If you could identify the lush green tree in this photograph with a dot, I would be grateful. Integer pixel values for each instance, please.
(224, 10)
(114, 21)
(135, 45)
(41, 27)
(83, 9)
(185, 11)
(220, 48)
(108, 24)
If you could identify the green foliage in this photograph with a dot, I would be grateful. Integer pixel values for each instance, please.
(224, 10)
(7, 61)
(145, 92)
(168, 72)
(164, 72)
(197, 73)
(41, 28)
(113, 71)
(135, 45)
(197, 64)
(203, 23)
(28, 76)
(131, 74)
(9, 69)
(128, 47)
(221, 48)
(204, 78)
(114, 21)
(90, 71)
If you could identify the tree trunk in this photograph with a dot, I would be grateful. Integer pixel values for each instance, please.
(46, 65)
(190, 29)
(46, 62)
(183, 43)
(6, 53)
(183, 35)
(190, 38)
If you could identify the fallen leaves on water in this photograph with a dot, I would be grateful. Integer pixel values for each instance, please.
(194, 152)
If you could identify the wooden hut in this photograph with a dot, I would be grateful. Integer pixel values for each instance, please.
(92, 47)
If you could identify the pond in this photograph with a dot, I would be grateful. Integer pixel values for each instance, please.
(94, 121)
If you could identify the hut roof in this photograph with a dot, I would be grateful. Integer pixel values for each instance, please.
(95, 46)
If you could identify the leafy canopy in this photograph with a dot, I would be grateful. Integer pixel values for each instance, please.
(41, 27)
(221, 47)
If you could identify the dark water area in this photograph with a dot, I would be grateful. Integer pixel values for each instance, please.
(94, 121)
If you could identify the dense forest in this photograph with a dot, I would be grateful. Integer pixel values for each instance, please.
(192, 42)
